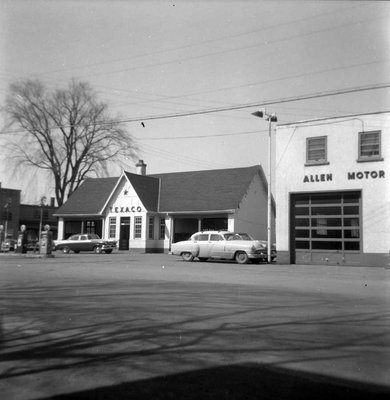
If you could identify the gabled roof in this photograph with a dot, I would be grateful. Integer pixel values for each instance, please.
(146, 188)
(89, 198)
(210, 190)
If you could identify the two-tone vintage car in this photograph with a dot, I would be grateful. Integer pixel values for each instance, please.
(222, 245)
(85, 242)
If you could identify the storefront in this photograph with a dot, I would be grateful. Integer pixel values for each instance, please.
(149, 212)
(332, 191)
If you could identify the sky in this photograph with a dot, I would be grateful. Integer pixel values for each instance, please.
(154, 61)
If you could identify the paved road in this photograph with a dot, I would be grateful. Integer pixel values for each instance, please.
(135, 326)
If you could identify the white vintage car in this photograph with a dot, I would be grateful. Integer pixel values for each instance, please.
(222, 245)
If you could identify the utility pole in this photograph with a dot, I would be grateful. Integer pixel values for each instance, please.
(270, 118)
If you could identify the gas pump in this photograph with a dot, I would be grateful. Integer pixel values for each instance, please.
(21, 243)
(46, 241)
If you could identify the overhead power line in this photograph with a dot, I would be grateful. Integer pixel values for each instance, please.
(282, 100)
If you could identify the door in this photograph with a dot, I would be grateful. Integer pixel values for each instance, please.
(202, 240)
(124, 233)
(326, 228)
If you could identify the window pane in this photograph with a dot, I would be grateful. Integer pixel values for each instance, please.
(352, 234)
(302, 221)
(326, 199)
(352, 246)
(302, 211)
(202, 237)
(369, 144)
(151, 228)
(137, 227)
(302, 233)
(351, 210)
(329, 222)
(215, 237)
(351, 222)
(351, 198)
(302, 200)
(326, 245)
(326, 210)
(316, 149)
(302, 244)
(162, 228)
(112, 227)
(327, 233)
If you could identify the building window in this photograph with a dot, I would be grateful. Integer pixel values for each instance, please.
(162, 228)
(151, 228)
(7, 216)
(38, 212)
(112, 227)
(137, 227)
(91, 227)
(369, 146)
(316, 150)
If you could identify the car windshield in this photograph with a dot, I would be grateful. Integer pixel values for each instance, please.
(94, 236)
(244, 236)
(231, 236)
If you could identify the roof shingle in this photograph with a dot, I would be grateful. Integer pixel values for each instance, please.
(209, 190)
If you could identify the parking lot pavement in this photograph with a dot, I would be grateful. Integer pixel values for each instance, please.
(135, 325)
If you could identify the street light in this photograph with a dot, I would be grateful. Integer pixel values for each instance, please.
(270, 118)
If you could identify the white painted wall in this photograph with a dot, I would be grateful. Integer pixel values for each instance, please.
(251, 216)
(342, 137)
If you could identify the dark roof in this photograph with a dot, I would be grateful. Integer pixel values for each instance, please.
(146, 188)
(89, 198)
(221, 189)
(210, 190)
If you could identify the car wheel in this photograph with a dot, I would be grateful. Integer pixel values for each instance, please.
(187, 256)
(241, 257)
(66, 250)
(203, 259)
(109, 251)
(97, 250)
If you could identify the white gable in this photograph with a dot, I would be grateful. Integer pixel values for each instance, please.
(124, 199)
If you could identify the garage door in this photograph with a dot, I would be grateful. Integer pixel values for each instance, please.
(326, 228)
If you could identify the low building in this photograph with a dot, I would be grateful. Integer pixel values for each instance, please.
(35, 217)
(148, 212)
(14, 214)
(332, 191)
(10, 210)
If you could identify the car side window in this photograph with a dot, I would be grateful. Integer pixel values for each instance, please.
(215, 237)
(74, 237)
(83, 237)
(201, 237)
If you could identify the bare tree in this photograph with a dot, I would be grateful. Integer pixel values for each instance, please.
(67, 132)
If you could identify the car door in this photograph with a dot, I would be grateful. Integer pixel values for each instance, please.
(204, 246)
(72, 242)
(84, 243)
(217, 245)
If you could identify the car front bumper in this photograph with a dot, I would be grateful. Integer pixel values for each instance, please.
(261, 255)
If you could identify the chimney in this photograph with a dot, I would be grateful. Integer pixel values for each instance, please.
(52, 201)
(141, 167)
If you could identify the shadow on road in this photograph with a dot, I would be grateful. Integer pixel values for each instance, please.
(245, 381)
